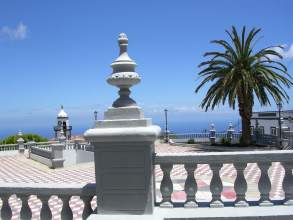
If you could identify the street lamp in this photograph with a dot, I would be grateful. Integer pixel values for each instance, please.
(279, 105)
(166, 126)
(96, 115)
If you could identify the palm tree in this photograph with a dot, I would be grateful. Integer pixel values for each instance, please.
(239, 74)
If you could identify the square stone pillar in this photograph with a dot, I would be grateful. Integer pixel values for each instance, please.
(20, 143)
(124, 147)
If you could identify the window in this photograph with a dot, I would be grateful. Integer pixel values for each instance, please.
(274, 131)
(251, 130)
(261, 129)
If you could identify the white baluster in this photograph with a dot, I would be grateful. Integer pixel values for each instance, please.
(66, 212)
(166, 186)
(6, 211)
(45, 210)
(216, 186)
(25, 211)
(240, 185)
(87, 210)
(288, 183)
(264, 184)
(190, 186)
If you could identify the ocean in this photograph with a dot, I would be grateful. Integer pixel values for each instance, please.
(186, 126)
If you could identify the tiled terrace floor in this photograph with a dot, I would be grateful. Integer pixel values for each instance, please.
(18, 169)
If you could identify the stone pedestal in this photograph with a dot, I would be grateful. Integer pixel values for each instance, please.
(20, 143)
(124, 147)
(212, 134)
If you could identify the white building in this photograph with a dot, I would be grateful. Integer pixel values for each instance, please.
(268, 122)
(63, 124)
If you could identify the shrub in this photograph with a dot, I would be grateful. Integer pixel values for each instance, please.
(27, 137)
(223, 141)
(190, 141)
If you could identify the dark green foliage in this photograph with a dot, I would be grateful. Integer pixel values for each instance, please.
(190, 141)
(225, 141)
(27, 137)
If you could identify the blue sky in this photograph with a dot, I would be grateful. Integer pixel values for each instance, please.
(59, 52)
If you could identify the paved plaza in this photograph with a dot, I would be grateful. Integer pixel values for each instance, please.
(17, 169)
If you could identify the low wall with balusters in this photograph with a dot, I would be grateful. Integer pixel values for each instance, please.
(202, 137)
(50, 155)
(44, 192)
(215, 161)
(8, 147)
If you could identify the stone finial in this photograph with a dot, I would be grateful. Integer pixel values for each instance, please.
(230, 126)
(123, 75)
(19, 133)
(122, 42)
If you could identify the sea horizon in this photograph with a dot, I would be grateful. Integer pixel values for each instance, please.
(173, 127)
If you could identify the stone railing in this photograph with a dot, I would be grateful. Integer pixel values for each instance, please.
(28, 144)
(8, 147)
(287, 140)
(50, 155)
(78, 146)
(202, 137)
(215, 161)
(265, 139)
(43, 193)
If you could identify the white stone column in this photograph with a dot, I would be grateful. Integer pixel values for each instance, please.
(230, 132)
(20, 143)
(57, 155)
(212, 134)
(124, 147)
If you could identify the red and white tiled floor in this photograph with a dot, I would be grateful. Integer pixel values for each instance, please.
(18, 169)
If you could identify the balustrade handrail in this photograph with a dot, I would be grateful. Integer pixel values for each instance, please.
(8, 145)
(224, 157)
(47, 189)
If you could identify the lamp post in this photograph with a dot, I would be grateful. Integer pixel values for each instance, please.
(166, 126)
(279, 105)
(96, 115)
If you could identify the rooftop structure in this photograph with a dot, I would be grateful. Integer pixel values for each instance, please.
(62, 128)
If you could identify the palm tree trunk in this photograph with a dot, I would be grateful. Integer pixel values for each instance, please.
(245, 111)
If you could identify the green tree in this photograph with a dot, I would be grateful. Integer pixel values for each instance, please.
(240, 74)
(12, 139)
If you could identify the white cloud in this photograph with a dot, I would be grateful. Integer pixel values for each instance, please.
(286, 52)
(20, 32)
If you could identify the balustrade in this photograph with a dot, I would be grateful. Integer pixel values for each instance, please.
(43, 193)
(216, 160)
(166, 186)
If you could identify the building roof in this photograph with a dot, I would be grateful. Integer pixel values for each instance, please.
(62, 113)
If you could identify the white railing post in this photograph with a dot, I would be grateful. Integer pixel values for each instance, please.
(66, 212)
(87, 209)
(57, 155)
(190, 186)
(216, 186)
(230, 132)
(264, 184)
(25, 211)
(20, 143)
(166, 187)
(45, 212)
(288, 183)
(240, 185)
(30, 144)
(6, 211)
(212, 134)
